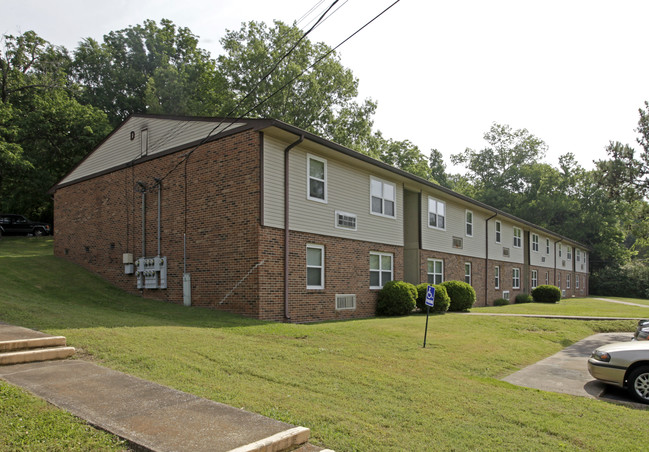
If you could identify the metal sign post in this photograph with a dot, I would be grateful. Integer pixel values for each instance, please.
(430, 301)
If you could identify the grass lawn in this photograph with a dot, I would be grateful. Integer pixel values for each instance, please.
(575, 306)
(364, 385)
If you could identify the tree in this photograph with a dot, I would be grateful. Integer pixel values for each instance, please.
(148, 68)
(438, 168)
(310, 89)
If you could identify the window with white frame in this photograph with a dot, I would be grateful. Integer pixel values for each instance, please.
(518, 237)
(577, 255)
(559, 280)
(560, 249)
(547, 278)
(435, 271)
(436, 214)
(516, 278)
(383, 197)
(345, 220)
(380, 269)
(569, 253)
(467, 272)
(314, 266)
(576, 281)
(345, 301)
(506, 294)
(535, 279)
(568, 281)
(497, 277)
(498, 225)
(547, 246)
(469, 223)
(535, 243)
(317, 178)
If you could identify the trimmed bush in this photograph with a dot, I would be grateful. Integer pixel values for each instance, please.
(524, 298)
(396, 298)
(442, 299)
(501, 302)
(462, 295)
(546, 294)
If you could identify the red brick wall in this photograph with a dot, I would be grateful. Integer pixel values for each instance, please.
(100, 219)
(347, 271)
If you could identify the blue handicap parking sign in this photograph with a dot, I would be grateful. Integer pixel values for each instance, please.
(430, 296)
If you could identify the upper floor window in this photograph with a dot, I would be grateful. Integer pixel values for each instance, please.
(535, 242)
(435, 271)
(314, 267)
(380, 269)
(569, 253)
(577, 255)
(383, 197)
(498, 227)
(547, 246)
(317, 178)
(518, 237)
(436, 214)
(469, 223)
(560, 250)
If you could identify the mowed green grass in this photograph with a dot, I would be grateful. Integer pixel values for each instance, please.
(364, 385)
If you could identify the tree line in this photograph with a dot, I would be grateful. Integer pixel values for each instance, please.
(56, 105)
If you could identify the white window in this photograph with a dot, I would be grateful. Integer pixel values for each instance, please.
(547, 246)
(506, 294)
(535, 279)
(436, 214)
(559, 280)
(315, 267)
(560, 249)
(435, 271)
(535, 242)
(569, 253)
(547, 278)
(383, 198)
(467, 272)
(380, 269)
(317, 178)
(577, 255)
(568, 281)
(518, 237)
(345, 301)
(516, 278)
(576, 281)
(498, 226)
(469, 223)
(345, 220)
(497, 277)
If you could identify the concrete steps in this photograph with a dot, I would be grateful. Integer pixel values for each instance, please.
(46, 348)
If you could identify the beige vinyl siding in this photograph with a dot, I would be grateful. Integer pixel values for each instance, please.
(536, 258)
(348, 190)
(516, 255)
(455, 222)
(163, 134)
(582, 265)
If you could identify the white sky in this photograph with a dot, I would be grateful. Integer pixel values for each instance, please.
(572, 72)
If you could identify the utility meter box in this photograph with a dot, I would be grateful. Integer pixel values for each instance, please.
(127, 260)
(151, 272)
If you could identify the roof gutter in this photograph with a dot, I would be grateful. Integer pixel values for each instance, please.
(286, 224)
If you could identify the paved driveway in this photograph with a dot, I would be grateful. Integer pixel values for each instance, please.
(567, 372)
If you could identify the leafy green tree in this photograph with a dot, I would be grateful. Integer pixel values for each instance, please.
(438, 168)
(148, 68)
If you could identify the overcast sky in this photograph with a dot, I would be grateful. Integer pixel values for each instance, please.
(572, 72)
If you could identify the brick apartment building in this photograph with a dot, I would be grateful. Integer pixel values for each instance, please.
(193, 210)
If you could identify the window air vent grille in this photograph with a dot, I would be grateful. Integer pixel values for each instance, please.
(345, 301)
(457, 242)
(506, 252)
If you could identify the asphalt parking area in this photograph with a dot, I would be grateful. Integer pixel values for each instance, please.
(567, 372)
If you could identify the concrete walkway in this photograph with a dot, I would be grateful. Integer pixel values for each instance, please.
(149, 415)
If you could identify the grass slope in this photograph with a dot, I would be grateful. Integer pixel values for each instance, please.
(363, 385)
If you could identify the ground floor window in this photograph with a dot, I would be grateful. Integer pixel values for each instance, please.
(497, 277)
(559, 280)
(568, 281)
(577, 282)
(535, 279)
(516, 278)
(547, 278)
(315, 267)
(380, 269)
(435, 271)
(467, 272)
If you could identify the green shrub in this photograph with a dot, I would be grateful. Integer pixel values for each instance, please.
(524, 298)
(396, 298)
(501, 302)
(462, 295)
(442, 299)
(546, 294)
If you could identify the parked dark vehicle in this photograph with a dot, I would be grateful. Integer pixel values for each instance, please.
(11, 224)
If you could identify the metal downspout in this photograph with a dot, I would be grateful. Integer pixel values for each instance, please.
(486, 259)
(286, 224)
(159, 183)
